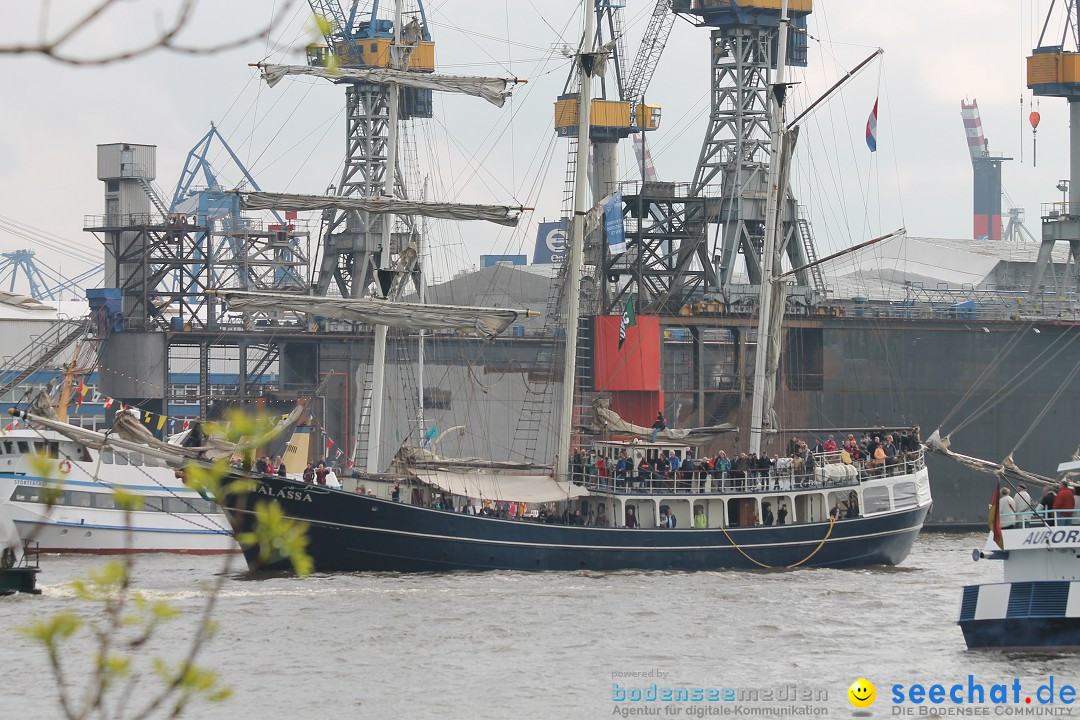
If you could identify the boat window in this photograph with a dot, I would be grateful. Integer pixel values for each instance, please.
(153, 503)
(107, 456)
(204, 506)
(875, 499)
(22, 493)
(152, 461)
(78, 498)
(135, 459)
(120, 458)
(905, 494)
(24, 447)
(47, 449)
(105, 501)
(177, 505)
(9, 447)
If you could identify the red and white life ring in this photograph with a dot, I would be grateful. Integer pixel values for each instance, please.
(65, 466)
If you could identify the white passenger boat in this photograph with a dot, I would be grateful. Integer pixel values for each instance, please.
(1037, 605)
(84, 517)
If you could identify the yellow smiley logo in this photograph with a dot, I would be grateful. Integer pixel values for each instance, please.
(862, 693)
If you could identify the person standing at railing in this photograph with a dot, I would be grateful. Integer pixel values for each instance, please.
(721, 466)
(623, 466)
(1025, 508)
(1064, 504)
(1046, 505)
(808, 462)
(1006, 509)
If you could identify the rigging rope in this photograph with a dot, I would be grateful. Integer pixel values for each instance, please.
(998, 358)
(1046, 408)
(995, 400)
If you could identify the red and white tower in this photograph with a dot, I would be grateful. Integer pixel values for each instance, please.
(987, 186)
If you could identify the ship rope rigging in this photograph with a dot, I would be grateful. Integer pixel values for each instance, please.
(1007, 468)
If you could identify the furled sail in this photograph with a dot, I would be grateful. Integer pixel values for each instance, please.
(607, 420)
(129, 434)
(500, 485)
(498, 214)
(494, 90)
(413, 457)
(485, 322)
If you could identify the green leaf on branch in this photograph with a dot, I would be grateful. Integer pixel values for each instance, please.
(278, 537)
(51, 631)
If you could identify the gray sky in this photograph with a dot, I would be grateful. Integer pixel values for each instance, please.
(291, 136)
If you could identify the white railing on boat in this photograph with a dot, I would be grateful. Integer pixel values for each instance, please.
(731, 482)
(1039, 518)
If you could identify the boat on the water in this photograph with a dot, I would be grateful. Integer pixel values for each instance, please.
(59, 491)
(1037, 604)
(19, 560)
(467, 514)
(351, 532)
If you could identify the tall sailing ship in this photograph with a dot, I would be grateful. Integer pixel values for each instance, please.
(689, 519)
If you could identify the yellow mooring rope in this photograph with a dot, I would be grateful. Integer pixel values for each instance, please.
(832, 524)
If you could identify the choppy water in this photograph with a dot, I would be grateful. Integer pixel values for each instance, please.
(509, 645)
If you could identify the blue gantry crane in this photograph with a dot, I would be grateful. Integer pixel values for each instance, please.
(222, 229)
(44, 282)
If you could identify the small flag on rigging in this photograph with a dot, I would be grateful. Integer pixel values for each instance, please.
(871, 129)
(431, 435)
(629, 319)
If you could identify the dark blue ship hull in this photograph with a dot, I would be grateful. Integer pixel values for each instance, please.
(1061, 633)
(350, 532)
(1034, 614)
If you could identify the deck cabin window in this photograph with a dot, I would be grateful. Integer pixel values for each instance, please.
(153, 503)
(875, 499)
(24, 447)
(47, 449)
(105, 500)
(24, 493)
(107, 456)
(9, 447)
(905, 494)
(78, 498)
(177, 505)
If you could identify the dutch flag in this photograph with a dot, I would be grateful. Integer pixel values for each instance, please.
(871, 129)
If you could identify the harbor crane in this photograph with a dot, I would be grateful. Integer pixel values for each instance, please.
(351, 240)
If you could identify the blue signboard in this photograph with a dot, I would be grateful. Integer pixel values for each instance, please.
(550, 243)
(489, 260)
(613, 225)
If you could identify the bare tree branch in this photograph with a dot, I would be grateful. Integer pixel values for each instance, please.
(166, 39)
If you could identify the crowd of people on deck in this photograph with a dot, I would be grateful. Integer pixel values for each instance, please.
(875, 453)
(1057, 506)
(317, 473)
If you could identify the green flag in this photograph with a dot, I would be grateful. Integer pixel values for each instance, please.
(629, 319)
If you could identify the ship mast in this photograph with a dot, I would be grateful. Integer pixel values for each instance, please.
(771, 300)
(378, 374)
(575, 258)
